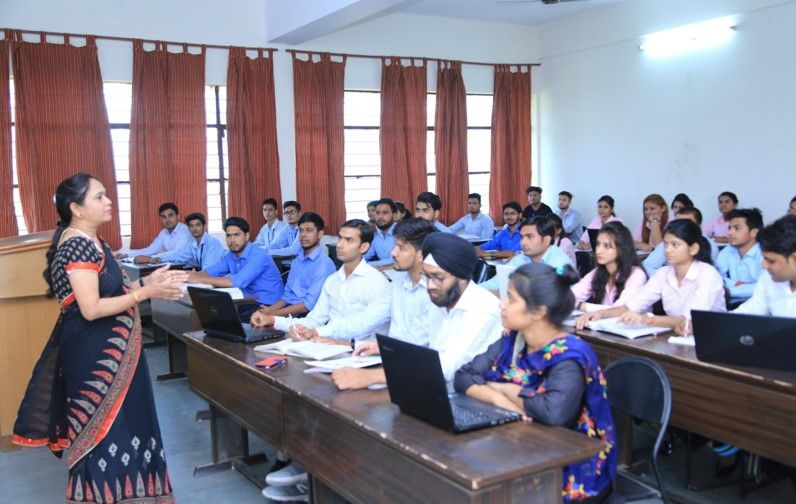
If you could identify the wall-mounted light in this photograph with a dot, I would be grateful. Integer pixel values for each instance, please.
(687, 38)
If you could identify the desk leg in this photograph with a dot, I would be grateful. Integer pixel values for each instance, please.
(178, 360)
(230, 449)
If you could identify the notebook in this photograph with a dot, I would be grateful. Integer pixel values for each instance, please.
(612, 325)
(220, 318)
(304, 349)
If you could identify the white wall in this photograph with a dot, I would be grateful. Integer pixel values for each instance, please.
(242, 22)
(613, 120)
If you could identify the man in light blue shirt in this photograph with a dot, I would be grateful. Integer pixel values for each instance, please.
(173, 236)
(272, 227)
(536, 239)
(287, 243)
(475, 223)
(203, 251)
(570, 218)
(741, 262)
(380, 252)
(506, 242)
(657, 257)
(245, 266)
(427, 207)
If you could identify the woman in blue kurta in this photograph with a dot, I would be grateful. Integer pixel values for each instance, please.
(90, 398)
(546, 374)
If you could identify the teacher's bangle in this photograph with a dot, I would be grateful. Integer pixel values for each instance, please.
(135, 297)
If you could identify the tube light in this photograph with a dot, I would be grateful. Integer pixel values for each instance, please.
(687, 38)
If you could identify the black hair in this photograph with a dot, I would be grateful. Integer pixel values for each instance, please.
(566, 193)
(681, 198)
(196, 216)
(413, 231)
(513, 205)
(389, 202)
(168, 206)
(730, 195)
(559, 224)
(753, 217)
(430, 199)
(540, 285)
(693, 211)
(779, 237)
(372, 204)
(545, 226)
(400, 207)
(70, 190)
(690, 233)
(365, 229)
(238, 222)
(270, 201)
(533, 188)
(312, 217)
(793, 199)
(608, 199)
(626, 259)
(292, 203)
(474, 195)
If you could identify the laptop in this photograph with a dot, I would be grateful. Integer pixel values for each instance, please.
(417, 385)
(745, 340)
(219, 317)
(593, 237)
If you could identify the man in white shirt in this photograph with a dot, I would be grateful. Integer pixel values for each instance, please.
(272, 227)
(775, 292)
(174, 235)
(202, 252)
(475, 223)
(409, 306)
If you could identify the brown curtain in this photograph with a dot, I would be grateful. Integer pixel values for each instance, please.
(450, 141)
(511, 137)
(318, 100)
(251, 134)
(403, 130)
(168, 137)
(61, 126)
(8, 221)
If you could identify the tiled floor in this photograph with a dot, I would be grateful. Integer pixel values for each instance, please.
(35, 476)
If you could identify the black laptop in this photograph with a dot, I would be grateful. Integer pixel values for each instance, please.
(745, 340)
(220, 318)
(417, 385)
(593, 237)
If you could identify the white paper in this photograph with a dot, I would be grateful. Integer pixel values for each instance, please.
(358, 361)
(303, 349)
(612, 325)
(682, 340)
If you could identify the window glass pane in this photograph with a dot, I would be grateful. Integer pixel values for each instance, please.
(361, 108)
(479, 110)
(431, 109)
(118, 101)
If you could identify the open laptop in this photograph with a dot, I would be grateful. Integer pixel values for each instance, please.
(220, 318)
(593, 237)
(417, 385)
(745, 340)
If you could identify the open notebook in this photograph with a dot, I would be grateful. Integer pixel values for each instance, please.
(327, 366)
(612, 325)
(303, 349)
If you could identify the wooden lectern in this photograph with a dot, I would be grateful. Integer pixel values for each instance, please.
(27, 318)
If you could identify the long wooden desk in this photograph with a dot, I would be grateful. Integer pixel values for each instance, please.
(359, 447)
(752, 408)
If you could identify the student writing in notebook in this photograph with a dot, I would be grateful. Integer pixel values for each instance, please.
(272, 228)
(506, 242)
(649, 232)
(605, 213)
(719, 227)
(201, 252)
(740, 262)
(546, 374)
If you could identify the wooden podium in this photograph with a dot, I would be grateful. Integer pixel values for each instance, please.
(27, 318)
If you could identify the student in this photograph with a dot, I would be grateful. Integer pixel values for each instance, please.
(616, 278)
(506, 242)
(657, 257)
(775, 291)
(605, 214)
(245, 266)
(203, 251)
(688, 282)
(680, 201)
(308, 271)
(740, 262)
(401, 212)
(571, 220)
(173, 236)
(372, 212)
(287, 242)
(563, 242)
(409, 303)
(427, 207)
(272, 227)
(536, 239)
(719, 227)
(792, 207)
(354, 302)
(475, 223)
(380, 252)
(649, 232)
(546, 374)
(535, 206)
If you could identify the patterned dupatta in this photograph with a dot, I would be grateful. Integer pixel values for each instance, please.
(588, 478)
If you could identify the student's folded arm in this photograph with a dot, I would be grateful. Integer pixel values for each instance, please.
(562, 399)
(472, 373)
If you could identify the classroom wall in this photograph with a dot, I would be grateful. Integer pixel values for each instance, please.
(613, 120)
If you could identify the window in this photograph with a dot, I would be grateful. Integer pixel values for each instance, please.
(362, 155)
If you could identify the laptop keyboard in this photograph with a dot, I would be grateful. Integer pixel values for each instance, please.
(466, 416)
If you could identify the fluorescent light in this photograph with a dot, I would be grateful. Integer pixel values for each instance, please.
(687, 38)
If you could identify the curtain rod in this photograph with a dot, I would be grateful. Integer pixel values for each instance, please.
(424, 58)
